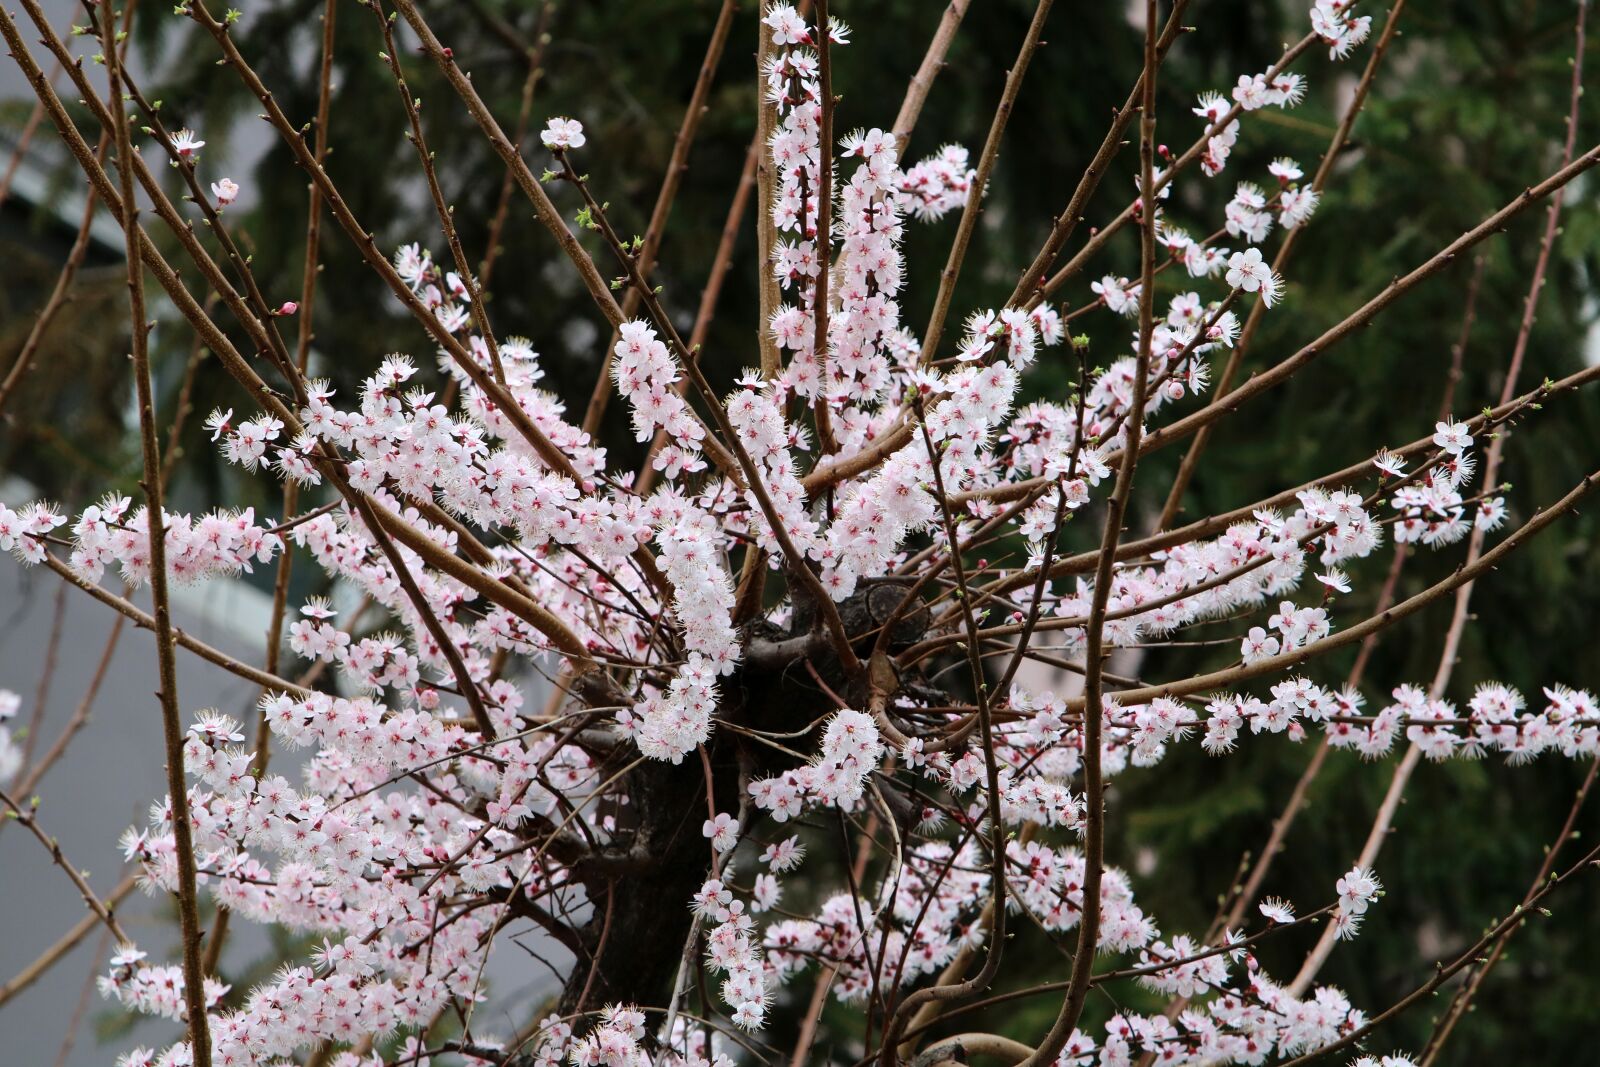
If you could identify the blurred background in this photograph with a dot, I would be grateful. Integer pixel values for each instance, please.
(1468, 110)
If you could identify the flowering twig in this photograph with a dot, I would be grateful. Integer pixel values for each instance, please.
(526, 180)
(1341, 135)
(172, 729)
(655, 229)
(1116, 508)
(1463, 593)
(986, 160)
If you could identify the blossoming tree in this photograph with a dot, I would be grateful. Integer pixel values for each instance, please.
(619, 701)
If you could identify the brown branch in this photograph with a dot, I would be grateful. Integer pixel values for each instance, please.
(677, 166)
(720, 263)
(1029, 286)
(508, 34)
(986, 160)
(1480, 974)
(1191, 458)
(546, 211)
(27, 784)
(291, 487)
(447, 224)
(146, 621)
(1093, 716)
(85, 995)
(502, 211)
(58, 298)
(1444, 972)
(922, 81)
(933, 998)
(172, 727)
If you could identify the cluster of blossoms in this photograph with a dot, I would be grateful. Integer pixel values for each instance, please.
(1042, 748)
(405, 847)
(851, 750)
(105, 534)
(1339, 29)
(672, 722)
(1431, 510)
(1244, 1023)
(1358, 888)
(645, 372)
(865, 344)
(151, 989)
(1251, 93)
(337, 858)
(731, 951)
(756, 416)
(1494, 722)
(965, 409)
(1245, 1016)
(23, 533)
